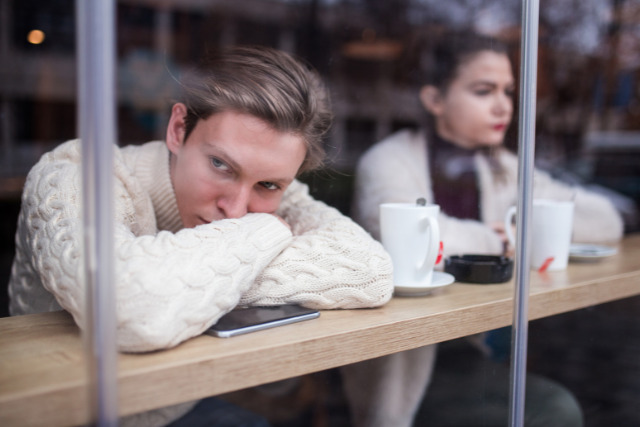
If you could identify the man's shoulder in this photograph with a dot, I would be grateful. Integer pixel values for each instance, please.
(66, 158)
(147, 149)
(146, 146)
(63, 160)
(69, 150)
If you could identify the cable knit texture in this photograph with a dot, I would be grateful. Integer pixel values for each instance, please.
(388, 390)
(173, 283)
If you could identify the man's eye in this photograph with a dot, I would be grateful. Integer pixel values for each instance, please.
(219, 164)
(270, 185)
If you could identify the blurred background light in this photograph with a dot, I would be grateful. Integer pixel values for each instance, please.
(35, 36)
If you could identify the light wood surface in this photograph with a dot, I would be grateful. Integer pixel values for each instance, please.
(42, 373)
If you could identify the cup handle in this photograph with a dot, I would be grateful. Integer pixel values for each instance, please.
(434, 244)
(508, 220)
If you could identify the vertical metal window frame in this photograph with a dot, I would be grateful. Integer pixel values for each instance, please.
(526, 153)
(96, 126)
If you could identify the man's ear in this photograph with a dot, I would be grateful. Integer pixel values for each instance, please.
(431, 99)
(176, 128)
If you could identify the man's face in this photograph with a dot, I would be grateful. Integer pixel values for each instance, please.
(230, 165)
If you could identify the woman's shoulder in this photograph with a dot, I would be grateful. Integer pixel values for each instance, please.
(507, 159)
(506, 156)
(404, 143)
(402, 138)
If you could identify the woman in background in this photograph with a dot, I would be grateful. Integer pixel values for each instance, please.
(459, 162)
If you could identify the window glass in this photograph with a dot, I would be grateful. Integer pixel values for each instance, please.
(375, 56)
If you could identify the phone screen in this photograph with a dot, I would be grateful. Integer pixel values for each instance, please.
(244, 320)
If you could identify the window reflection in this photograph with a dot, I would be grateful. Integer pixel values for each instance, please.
(588, 128)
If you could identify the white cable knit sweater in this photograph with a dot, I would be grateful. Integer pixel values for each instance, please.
(173, 283)
(386, 392)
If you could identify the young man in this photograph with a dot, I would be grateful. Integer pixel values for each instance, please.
(209, 219)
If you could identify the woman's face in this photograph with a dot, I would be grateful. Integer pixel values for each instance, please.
(477, 107)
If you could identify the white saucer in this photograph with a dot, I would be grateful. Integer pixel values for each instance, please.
(580, 252)
(439, 280)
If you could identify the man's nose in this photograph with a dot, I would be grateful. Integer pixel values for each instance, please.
(235, 204)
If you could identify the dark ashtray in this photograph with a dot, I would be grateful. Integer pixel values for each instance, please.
(479, 268)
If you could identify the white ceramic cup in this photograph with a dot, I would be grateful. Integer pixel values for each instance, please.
(411, 235)
(551, 226)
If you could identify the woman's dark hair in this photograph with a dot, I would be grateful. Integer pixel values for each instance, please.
(454, 49)
(265, 83)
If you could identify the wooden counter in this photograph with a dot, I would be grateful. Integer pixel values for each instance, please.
(42, 374)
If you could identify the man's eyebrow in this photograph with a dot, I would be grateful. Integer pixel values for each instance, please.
(281, 181)
(224, 156)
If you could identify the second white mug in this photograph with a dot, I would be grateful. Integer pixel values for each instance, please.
(551, 227)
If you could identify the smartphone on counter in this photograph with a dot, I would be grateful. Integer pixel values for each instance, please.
(244, 320)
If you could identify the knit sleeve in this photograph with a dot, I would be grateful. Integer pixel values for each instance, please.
(172, 287)
(169, 287)
(331, 262)
(595, 218)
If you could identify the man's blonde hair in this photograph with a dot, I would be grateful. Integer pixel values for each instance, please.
(265, 83)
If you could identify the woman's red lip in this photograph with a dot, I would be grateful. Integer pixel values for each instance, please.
(499, 127)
